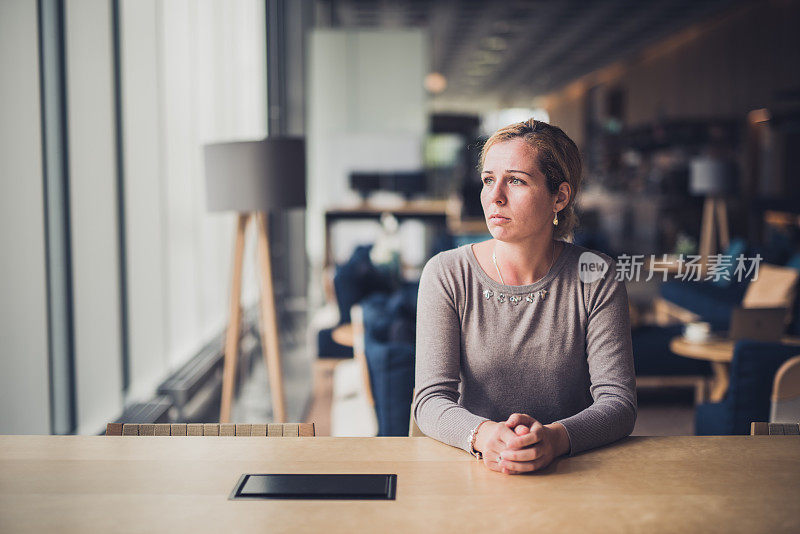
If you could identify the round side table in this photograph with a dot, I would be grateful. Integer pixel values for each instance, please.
(718, 351)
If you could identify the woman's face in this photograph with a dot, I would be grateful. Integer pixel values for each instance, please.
(516, 202)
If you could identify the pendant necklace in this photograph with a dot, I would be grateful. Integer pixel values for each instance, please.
(543, 292)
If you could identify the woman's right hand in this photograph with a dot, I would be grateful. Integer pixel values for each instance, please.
(491, 439)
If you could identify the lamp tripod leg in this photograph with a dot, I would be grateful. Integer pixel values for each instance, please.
(269, 324)
(234, 324)
(707, 235)
(722, 223)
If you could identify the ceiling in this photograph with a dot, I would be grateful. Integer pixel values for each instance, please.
(510, 51)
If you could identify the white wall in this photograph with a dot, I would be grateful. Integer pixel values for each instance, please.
(192, 72)
(24, 399)
(93, 213)
(367, 111)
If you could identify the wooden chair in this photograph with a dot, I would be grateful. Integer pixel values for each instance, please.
(774, 429)
(785, 401)
(359, 349)
(286, 430)
(775, 287)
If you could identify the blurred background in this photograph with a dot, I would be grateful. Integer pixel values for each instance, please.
(119, 266)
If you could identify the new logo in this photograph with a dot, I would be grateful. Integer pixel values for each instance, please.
(591, 267)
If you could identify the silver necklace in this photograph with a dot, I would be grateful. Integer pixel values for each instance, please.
(494, 260)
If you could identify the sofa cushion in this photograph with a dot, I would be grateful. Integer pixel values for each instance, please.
(713, 419)
(391, 374)
(376, 320)
(392, 317)
(356, 279)
(794, 326)
(737, 246)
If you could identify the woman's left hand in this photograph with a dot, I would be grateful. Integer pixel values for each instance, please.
(535, 446)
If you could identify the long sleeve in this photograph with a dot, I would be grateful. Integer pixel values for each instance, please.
(609, 355)
(438, 355)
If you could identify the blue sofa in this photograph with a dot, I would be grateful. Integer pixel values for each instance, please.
(389, 345)
(748, 398)
(352, 282)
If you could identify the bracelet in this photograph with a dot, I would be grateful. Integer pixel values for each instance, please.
(471, 443)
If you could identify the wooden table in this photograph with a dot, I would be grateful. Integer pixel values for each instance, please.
(718, 351)
(176, 484)
(343, 335)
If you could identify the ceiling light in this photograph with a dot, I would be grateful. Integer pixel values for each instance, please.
(435, 82)
(759, 115)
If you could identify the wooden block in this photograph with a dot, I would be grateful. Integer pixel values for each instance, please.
(147, 429)
(162, 429)
(178, 429)
(258, 429)
(210, 429)
(759, 428)
(307, 430)
(791, 429)
(291, 430)
(114, 429)
(274, 430)
(243, 430)
(227, 429)
(194, 429)
(775, 429)
(129, 429)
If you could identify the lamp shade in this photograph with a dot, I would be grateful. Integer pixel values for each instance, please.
(261, 175)
(709, 176)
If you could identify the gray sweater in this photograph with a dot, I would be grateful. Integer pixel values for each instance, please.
(486, 350)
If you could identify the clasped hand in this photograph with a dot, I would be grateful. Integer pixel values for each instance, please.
(520, 444)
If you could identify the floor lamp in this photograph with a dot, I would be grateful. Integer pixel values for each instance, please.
(254, 178)
(711, 178)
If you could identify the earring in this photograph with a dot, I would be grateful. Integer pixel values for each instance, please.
(555, 219)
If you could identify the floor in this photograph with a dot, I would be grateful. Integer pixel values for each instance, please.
(667, 412)
(253, 403)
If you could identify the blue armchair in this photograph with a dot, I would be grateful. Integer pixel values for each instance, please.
(713, 301)
(748, 399)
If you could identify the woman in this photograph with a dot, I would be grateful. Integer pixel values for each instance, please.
(521, 356)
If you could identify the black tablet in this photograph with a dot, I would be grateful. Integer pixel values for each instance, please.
(315, 486)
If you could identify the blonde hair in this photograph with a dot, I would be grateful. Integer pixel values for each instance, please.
(558, 158)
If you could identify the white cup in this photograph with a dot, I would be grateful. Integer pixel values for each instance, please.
(697, 332)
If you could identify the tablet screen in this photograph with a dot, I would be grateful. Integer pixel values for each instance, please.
(315, 486)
